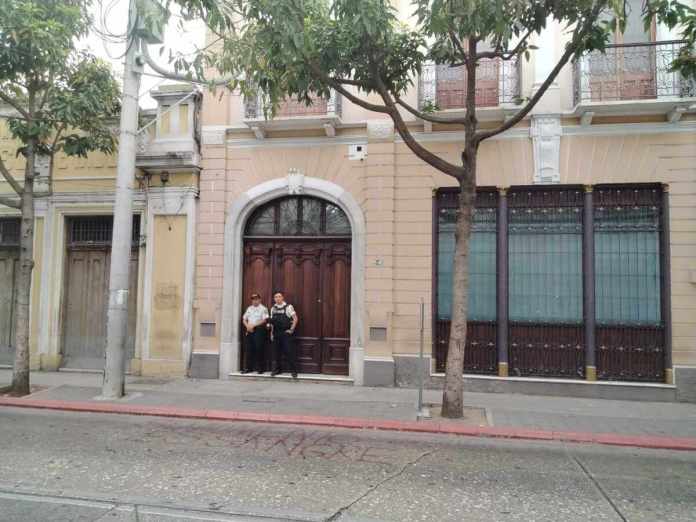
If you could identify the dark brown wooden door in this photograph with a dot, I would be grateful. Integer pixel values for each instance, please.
(314, 274)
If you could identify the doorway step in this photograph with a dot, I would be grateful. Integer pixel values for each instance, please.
(301, 377)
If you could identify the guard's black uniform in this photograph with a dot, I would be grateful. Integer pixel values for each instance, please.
(255, 348)
(283, 342)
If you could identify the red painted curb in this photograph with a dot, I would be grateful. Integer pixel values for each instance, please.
(445, 427)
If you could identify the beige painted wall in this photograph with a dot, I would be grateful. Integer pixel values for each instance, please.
(167, 306)
(395, 190)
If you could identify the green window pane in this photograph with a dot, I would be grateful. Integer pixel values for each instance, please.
(545, 265)
(482, 265)
(627, 265)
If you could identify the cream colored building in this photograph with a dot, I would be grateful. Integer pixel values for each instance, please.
(72, 249)
(605, 162)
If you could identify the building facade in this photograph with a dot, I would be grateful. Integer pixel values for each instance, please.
(583, 251)
(74, 215)
(582, 267)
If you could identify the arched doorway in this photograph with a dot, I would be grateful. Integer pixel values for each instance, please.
(302, 246)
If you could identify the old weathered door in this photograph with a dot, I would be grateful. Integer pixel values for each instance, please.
(86, 294)
(8, 266)
(9, 255)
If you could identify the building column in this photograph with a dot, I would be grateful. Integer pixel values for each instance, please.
(666, 290)
(588, 294)
(502, 283)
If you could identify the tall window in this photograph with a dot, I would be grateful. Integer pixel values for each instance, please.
(482, 261)
(545, 256)
(627, 257)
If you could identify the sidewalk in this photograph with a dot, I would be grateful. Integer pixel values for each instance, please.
(281, 400)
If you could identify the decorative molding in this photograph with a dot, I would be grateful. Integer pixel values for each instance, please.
(675, 114)
(546, 134)
(237, 214)
(380, 130)
(295, 182)
(586, 118)
(213, 134)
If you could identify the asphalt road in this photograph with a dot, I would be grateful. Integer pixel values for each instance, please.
(59, 466)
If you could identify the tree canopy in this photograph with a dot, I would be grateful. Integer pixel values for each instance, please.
(60, 98)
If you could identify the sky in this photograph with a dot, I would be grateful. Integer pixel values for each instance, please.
(111, 17)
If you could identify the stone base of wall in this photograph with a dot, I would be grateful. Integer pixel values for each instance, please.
(405, 371)
(378, 371)
(685, 381)
(50, 362)
(164, 368)
(205, 366)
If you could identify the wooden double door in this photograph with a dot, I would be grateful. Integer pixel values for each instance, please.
(85, 306)
(314, 275)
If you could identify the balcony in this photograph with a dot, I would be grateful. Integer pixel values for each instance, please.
(632, 79)
(169, 138)
(497, 88)
(291, 114)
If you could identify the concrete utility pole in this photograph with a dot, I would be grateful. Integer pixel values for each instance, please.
(117, 314)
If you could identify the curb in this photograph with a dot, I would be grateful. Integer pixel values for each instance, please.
(443, 428)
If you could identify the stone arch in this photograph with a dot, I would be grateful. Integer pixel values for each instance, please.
(235, 221)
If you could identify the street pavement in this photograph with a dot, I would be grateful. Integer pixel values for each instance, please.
(287, 397)
(64, 466)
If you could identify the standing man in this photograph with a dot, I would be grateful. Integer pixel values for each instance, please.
(254, 320)
(283, 323)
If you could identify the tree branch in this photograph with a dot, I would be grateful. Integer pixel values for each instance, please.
(10, 178)
(432, 159)
(346, 81)
(8, 202)
(570, 50)
(340, 89)
(503, 54)
(458, 45)
(9, 101)
(427, 117)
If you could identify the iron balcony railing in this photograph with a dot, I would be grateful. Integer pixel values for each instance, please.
(320, 107)
(631, 72)
(443, 86)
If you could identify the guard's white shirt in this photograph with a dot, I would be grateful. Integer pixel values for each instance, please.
(255, 314)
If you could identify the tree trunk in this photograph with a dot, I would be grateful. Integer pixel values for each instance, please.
(453, 394)
(20, 376)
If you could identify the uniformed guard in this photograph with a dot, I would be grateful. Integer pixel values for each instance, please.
(283, 323)
(255, 319)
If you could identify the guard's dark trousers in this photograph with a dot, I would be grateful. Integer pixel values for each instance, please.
(284, 345)
(254, 350)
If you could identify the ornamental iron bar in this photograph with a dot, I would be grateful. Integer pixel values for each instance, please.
(443, 86)
(629, 283)
(546, 327)
(96, 231)
(638, 71)
(9, 232)
(545, 335)
(255, 108)
(480, 354)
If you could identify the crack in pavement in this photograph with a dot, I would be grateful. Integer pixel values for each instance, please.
(598, 487)
(371, 489)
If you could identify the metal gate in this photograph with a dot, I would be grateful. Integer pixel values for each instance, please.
(86, 291)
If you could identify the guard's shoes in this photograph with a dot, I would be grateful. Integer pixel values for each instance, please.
(260, 372)
(294, 375)
(275, 372)
(245, 371)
